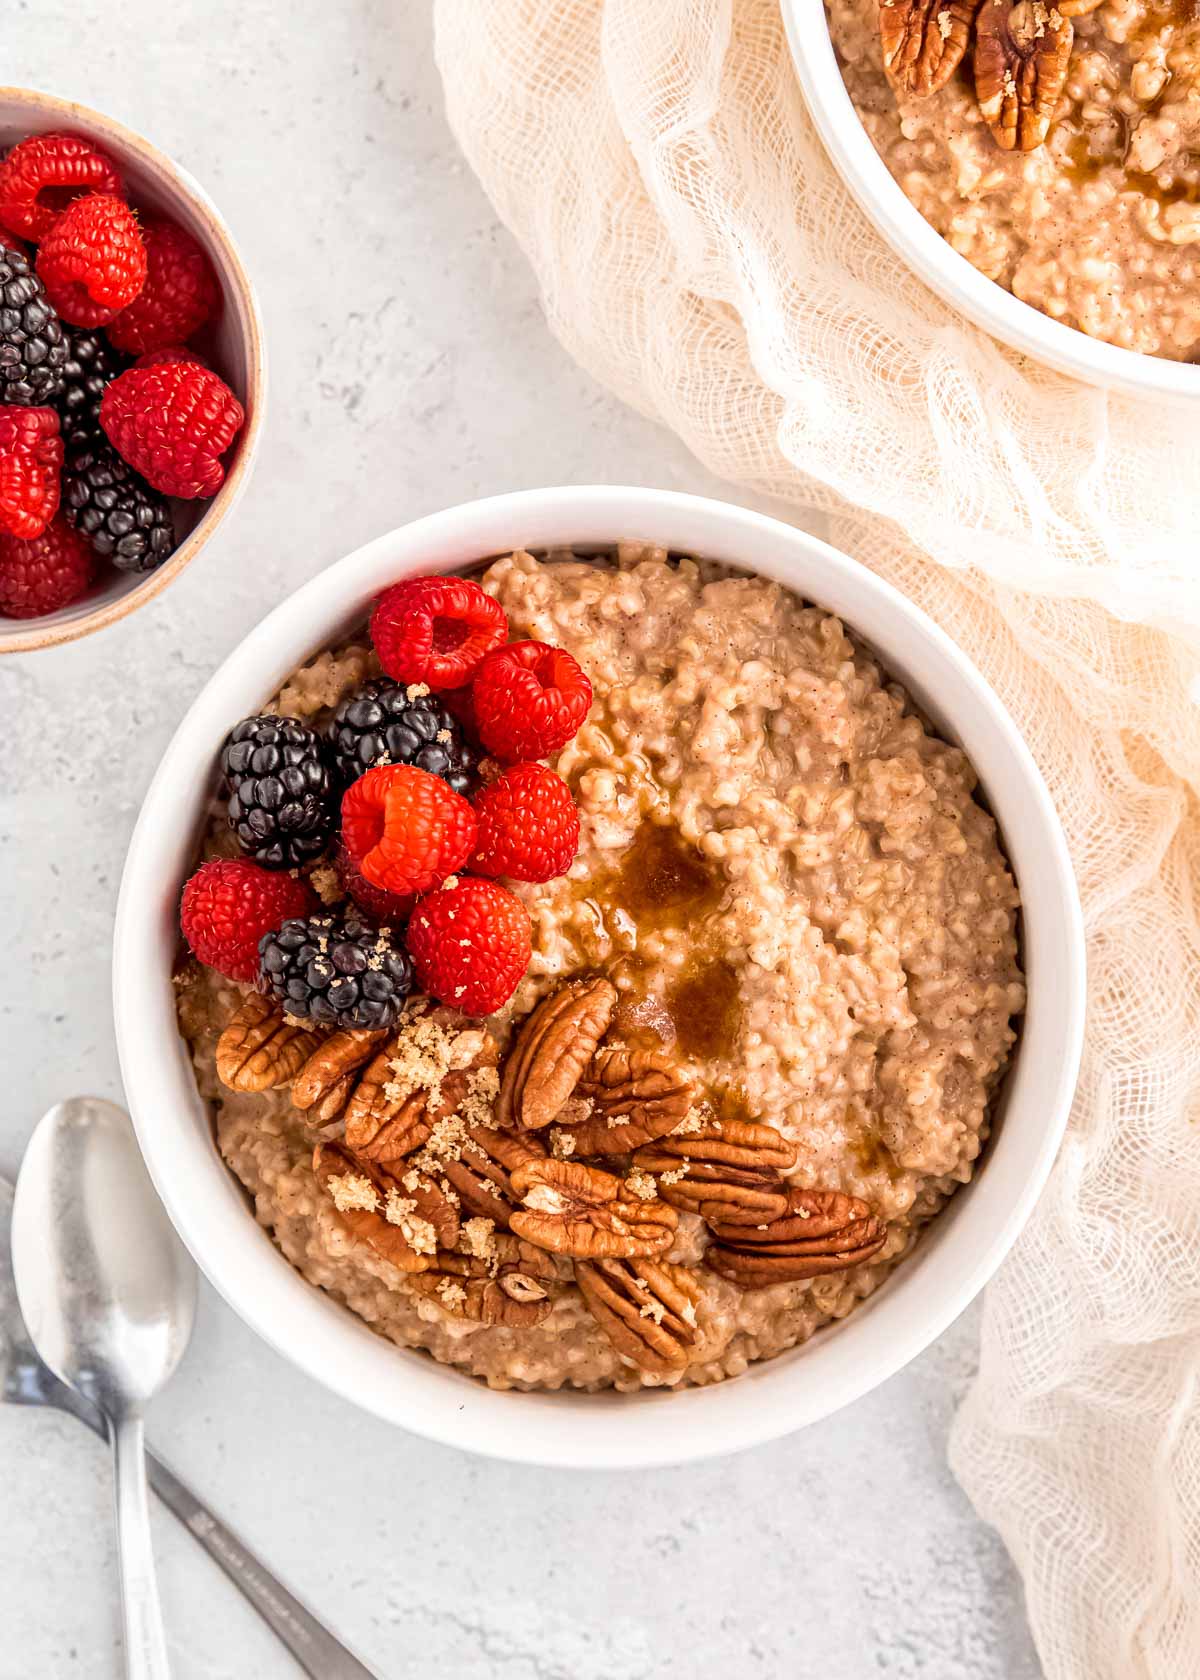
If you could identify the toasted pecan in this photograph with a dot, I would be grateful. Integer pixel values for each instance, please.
(646, 1308)
(728, 1172)
(587, 1213)
(552, 1048)
(821, 1231)
(260, 1050)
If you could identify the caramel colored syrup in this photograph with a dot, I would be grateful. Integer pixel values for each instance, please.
(661, 882)
(1083, 167)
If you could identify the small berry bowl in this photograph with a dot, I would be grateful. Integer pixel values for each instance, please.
(958, 1254)
(231, 344)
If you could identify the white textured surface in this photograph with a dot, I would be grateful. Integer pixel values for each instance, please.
(410, 369)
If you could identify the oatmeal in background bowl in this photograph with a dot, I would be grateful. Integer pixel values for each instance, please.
(1055, 147)
(758, 1004)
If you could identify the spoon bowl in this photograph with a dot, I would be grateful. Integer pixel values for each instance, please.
(106, 1287)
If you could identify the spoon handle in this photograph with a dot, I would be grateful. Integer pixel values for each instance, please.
(145, 1642)
(319, 1654)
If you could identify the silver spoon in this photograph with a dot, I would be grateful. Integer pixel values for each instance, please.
(109, 1295)
(25, 1380)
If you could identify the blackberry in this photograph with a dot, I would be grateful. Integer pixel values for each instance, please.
(280, 790)
(121, 516)
(381, 725)
(33, 347)
(336, 971)
(90, 366)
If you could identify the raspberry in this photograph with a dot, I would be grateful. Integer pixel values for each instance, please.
(528, 825)
(10, 242)
(405, 828)
(172, 423)
(50, 572)
(229, 904)
(435, 630)
(470, 944)
(181, 291)
(31, 455)
(530, 699)
(93, 262)
(388, 909)
(170, 353)
(45, 173)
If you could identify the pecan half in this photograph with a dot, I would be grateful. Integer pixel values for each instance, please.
(482, 1173)
(924, 41)
(821, 1231)
(582, 1211)
(1021, 57)
(404, 1220)
(730, 1171)
(646, 1308)
(259, 1049)
(513, 1289)
(636, 1096)
(552, 1049)
(326, 1081)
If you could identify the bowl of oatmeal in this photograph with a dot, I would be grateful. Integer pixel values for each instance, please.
(785, 1070)
(1035, 165)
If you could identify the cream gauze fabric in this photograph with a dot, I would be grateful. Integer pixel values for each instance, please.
(697, 253)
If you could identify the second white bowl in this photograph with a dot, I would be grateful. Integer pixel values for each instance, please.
(957, 1255)
(925, 251)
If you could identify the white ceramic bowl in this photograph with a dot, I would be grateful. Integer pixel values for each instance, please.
(950, 275)
(234, 347)
(953, 1261)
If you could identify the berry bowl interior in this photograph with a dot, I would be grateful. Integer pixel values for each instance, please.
(917, 243)
(233, 346)
(954, 1258)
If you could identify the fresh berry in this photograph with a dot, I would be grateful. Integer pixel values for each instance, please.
(168, 354)
(280, 803)
(114, 507)
(405, 829)
(435, 630)
(33, 349)
(381, 725)
(93, 262)
(10, 242)
(530, 699)
(90, 366)
(31, 454)
(528, 825)
(173, 422)
(336, 971)
(49, 572)
(229, 904)
(181, 291)
(470, 944)
(388, 909)
(45, 173)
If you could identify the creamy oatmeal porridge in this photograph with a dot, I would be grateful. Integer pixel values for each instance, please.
(1079, 191)
(765, 1015)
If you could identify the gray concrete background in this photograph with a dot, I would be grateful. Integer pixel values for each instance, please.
(411, 368)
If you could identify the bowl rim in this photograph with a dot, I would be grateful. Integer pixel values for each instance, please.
(936, 262)
(567, 1429)
(29, 635)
